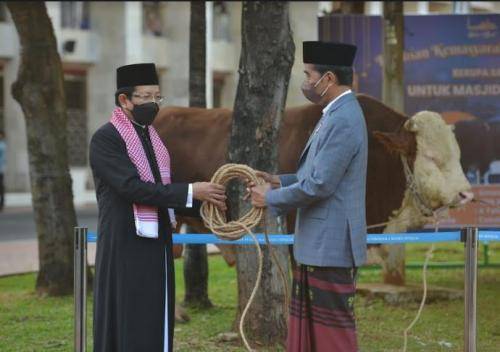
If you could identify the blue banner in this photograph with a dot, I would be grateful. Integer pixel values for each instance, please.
(451, 62)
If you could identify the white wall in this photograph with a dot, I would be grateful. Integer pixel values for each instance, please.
(231, 77)
(304, 24)
(176, 20)
(8, 48)
(107, 23)
(101, 77)
(17, 168)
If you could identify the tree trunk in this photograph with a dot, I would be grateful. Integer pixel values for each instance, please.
(393, 95)
(195, 255)
(266, 60)
(39, 91)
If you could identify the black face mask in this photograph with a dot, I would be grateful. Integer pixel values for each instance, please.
(145, 114)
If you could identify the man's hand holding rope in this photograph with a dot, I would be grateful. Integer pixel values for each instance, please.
(210, 192)
(258, 192)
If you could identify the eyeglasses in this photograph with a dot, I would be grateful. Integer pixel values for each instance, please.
(149, 97)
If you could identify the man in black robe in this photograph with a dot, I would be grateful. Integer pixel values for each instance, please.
(134, 280)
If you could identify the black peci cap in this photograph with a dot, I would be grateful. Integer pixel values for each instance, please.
(328, 53)
(136, 75)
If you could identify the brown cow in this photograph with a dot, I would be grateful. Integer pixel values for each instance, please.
(198, 139)
(478, 142)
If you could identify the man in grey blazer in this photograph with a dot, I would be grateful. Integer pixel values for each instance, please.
(328, 192)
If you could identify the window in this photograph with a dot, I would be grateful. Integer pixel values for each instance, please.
(75, 14)
(3, 12)
(75, 88)
(221, 22)
(2, 126)
(440, 6)
(479, 10)
(152, 23)
(218, 87)
(494, 178)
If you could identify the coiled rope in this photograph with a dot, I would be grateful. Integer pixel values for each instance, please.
(216, 221)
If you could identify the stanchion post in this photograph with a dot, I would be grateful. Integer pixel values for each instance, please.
(80, 288)
(486, 255)
(470, 236)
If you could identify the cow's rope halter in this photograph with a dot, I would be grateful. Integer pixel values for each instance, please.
(216, 221)
(428, 212)
(412, 186)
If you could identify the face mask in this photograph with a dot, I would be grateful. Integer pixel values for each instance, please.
(145, 114)
(310, 91)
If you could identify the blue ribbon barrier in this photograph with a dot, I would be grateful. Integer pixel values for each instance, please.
(413, 237)
(245, 240)
(468, 235)
(91, 237)
(281, 239)
(487, 236)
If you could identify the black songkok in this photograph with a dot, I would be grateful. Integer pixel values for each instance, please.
(328, 53)
(136, 75)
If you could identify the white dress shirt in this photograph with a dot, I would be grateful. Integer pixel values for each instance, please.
(334, 100)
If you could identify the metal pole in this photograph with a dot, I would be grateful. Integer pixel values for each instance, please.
(470, 235)
(486, 255)
(209, 74)
(80, 288)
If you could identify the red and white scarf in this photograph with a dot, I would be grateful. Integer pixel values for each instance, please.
(145, 216)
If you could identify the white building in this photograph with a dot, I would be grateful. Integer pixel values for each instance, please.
(94, 38)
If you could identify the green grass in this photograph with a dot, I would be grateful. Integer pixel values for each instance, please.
(32, 323)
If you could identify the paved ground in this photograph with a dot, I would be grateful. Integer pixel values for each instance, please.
(18, 223)
(19, 245)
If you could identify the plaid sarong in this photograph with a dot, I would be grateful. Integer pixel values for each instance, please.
(322, 310)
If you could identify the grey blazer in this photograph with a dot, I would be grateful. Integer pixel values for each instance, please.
(329, 190)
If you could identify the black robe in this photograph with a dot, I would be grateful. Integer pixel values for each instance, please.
(133, 275)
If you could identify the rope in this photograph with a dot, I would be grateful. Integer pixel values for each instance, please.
(427, 212)
(411, 185)
(428, 257)
(216, 221)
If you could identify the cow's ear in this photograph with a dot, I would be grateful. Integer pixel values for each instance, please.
(394, 142)
(411, 125)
